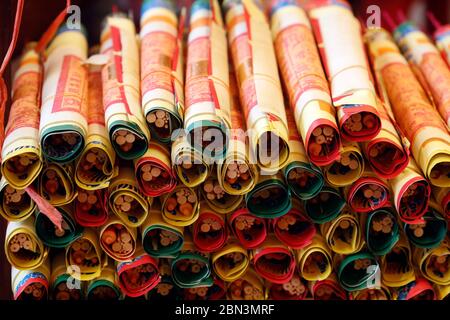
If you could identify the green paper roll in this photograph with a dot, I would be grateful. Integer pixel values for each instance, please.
(313, 185)
(325, 206)
(381, 242)
(358, 271)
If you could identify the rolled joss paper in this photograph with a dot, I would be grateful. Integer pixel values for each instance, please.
(442, 196)
(314, 260)
(415, 115)
(16, 205)
(159, 238)
(411, 193)
(442, 292)
(181, 206)
(248, 287)
(117, 239)
(327, 289)
(295, 229)
(442, 38)
(238, 172)
(138, 276)
(358, 271)
(325, 206)
(419, 289)
(105, 286)
(368, 193)
(381, 230)
(209, 231)
(63, 286)
(305, 81)
(343, 234)
(128, 131)
(86, 256)
(251, 231)
(428, 231)
(207, 114)
(51, 235)
(425, 58)
(270, 198)
(434, 263)
(154, 172)
(91, 207)
(259, 85)
(63, 123)
(32, 284)
(377, 293)
(191, 268)
(126, 199)
(96, 165)
(348, 168)
(21, 152)
(189, 164)
(162, 80)
(304, 178)
(216, 197)
(396, 266)
(295, 289)
(23, 248)
(352, 90)
(56, 183)
(215, 292)
(230, 262)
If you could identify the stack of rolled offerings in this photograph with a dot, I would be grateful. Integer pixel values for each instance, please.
(124, 118)
(338, 34)
(207, 114)
(259, 86)
(415, 115)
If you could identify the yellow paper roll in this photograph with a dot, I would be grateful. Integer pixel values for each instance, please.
(118, 240)
(249, 286)
(230, 262)
(434, 263)
(16, 205)
(216, 197)
(56, 183)
(310, 268)
(181, 206)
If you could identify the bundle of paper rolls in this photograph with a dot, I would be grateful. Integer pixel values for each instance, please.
(243, 151)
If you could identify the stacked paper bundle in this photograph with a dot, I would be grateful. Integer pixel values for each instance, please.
(285, 155)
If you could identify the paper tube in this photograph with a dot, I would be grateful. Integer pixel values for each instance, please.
(209, 231)
(230, 262)
(251, 231)
(207, 114)
(159, 238)
(381, 293)
(314, 260)
(63, 126)
(425, 58)
(304, 178)
(420, 289)
(442, 38)
(21, 153)
(138, 276)
(434, 263)
(338, 35)
(295, 229)
(105, 286)
(270, 198)
(343, 234)
(259, 85)
(23, 248)
(325, 206)
(216, 197)
(128, 131)
(126, 199)
(154, 171)
(53, 237)
(348, 168)
(396, 266)
(31, 284)
(249, 287)
(417, 118)
(305, 81)
(327, 289)
(56, 183)
(91, 208)
(295, 289)
(237, 173)
(60, 279)
(181, 206)
(16, 205)
(442, 196)
(117, 239)
(162, 80)
(358, 271)
(214, 292)
(96, 165)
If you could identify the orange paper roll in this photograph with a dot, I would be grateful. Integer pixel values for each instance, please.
(305, 81)
(21, 153)
(338, 35)
(415, 115)
(259, 85)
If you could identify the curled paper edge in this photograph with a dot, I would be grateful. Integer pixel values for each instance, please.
(46, 208)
